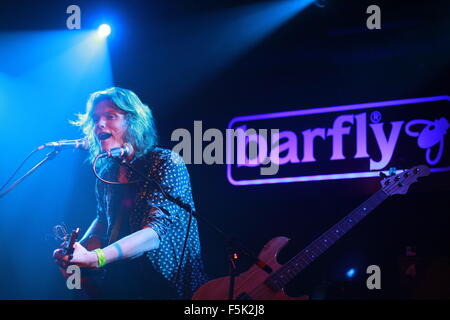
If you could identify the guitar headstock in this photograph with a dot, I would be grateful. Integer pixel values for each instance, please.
(68, 245)
(399, 183)
(60, 232)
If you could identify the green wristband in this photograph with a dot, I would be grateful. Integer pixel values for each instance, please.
(101, 257)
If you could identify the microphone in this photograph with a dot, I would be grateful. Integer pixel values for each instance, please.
(122, 152)
(67, 144)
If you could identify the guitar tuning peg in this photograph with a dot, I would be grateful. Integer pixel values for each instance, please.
(392, 171)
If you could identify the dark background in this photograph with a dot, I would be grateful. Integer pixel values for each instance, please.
(167, 52)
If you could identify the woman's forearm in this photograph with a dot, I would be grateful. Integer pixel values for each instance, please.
(132, 246)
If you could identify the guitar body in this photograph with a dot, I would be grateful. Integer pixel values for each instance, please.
(250, 282)
(90, 278)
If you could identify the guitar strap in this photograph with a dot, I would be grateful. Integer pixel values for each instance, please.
(117, 224)
(124, 195)
(116, 228)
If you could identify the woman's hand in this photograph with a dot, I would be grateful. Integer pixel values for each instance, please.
(81, 257)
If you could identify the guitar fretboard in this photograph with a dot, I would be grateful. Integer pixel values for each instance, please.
(293, 267)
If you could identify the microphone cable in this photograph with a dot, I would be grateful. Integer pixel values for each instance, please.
(49, 156)
(94, 165)
(18, 168)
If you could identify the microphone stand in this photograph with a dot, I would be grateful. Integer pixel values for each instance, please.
(49, 156)
(231, 241)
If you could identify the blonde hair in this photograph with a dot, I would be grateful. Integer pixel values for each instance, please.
(141, 130)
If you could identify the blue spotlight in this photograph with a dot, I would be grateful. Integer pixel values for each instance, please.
(104, 30)
(350, 273)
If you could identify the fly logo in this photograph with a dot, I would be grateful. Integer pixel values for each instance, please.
(343, 142)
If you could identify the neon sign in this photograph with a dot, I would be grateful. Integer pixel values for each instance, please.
(342, 142)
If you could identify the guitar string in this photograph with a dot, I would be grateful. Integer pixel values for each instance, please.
(261, 287)
(253, 271)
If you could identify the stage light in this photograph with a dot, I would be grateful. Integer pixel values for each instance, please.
(321, 3)
(350, 273)
(104, 30)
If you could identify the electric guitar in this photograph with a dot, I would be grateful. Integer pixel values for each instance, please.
(256, 284)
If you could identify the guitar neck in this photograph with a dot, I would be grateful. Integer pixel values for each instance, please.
(293, 267)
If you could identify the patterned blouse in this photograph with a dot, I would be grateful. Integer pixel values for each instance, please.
(145, 206)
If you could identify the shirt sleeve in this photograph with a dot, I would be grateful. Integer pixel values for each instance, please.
(171, 173)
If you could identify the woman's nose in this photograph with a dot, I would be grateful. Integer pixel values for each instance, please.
(101, 123)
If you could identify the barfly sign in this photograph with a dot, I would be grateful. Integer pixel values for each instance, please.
(343, 142)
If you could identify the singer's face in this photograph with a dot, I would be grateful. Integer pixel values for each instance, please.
(110, 125)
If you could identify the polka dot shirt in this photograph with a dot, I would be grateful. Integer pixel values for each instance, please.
(149, 208)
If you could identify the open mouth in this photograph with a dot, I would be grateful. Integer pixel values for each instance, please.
(104, 135)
